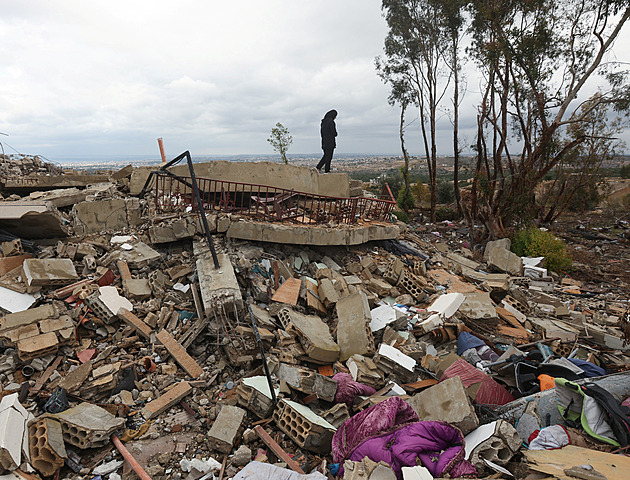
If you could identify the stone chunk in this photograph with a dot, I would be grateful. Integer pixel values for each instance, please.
(503, 260)
(167, 400)
(446, 402)
(226, 429)
(49, 271)
(37, 346)
(313, 334)
(354, 334)
(179, 354)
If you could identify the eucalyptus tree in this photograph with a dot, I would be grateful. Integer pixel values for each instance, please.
(537, 57)
(415, 46)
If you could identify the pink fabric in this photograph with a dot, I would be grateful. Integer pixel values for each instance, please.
(490, 392)
(377, 420)
(348, 389)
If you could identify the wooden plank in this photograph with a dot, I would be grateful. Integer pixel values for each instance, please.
(277, 449)
(288, 292)
(137, 324)
(167, 400)
(554, 462)
(180, 354)
(45, 376)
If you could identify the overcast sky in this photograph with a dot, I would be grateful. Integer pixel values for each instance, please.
(109, 77)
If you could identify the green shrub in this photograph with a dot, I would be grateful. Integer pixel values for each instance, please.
(533, 242)
(401, 215)
(445, 192)
(405, 202)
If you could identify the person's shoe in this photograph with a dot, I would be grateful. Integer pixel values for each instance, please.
(316, 170)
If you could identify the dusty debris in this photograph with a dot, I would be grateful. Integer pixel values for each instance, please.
(116, 323)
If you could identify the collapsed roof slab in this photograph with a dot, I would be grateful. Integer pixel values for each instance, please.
(279, 175)
(32, 220)
(33, 183)
(286, 233)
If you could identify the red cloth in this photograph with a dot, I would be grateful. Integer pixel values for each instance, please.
(490, 392)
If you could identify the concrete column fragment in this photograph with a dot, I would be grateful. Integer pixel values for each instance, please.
(354, 334)
(218, 286)
(226, 429)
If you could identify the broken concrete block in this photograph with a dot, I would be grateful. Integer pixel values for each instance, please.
(364, 370)
(379, 287)
(392, 361)
(253, 393)
(446, 402)
(442, 308)
(384, 315)
(37, 346)
(179, 354)
(139, 256)
(503, 260)
(48, 451)
(313, 334)
(226, 429)
(167, 400)
(368, 469)
(9, 263)
(478, 305)
(304, 427)
(106, 214)
(137, 288)
(500, 445)
(354, 334)
(505, 243)
(307, 381)
(327, 292)
(75, 378)
(88, 425)
(13, 418)
(49, 271)
(218, 286)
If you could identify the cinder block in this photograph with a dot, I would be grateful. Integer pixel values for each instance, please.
(499, 448)
(88, 425)
(446, 402)
(413, 285)
(307, 381)
(308, 430)
(337, 415)
(46, 445)
(253, 394)
(395, 271)
(226, 429)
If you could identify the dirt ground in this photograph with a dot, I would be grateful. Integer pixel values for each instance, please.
(599, 244)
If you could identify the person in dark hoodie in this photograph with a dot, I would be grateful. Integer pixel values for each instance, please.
(328, 131)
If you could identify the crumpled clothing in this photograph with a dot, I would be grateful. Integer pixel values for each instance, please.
(549, 438)
(377, 420)
(438, 446)
(348, 389)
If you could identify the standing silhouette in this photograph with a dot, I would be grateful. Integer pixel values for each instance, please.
(328, 131)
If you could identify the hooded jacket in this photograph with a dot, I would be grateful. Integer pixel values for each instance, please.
(328, 130)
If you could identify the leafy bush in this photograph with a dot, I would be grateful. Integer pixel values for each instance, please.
(421, 193)
(445, 192)
(405, 202)
(533, 242)
(401, 215)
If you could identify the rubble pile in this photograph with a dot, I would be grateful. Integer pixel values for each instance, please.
(22, 165)
(125, 351)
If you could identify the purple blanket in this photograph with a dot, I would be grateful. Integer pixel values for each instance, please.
(348, 389)
(376, 420)
(390, 431)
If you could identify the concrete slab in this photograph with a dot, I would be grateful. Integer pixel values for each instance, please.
(27, 317)
(446, 402)
(502, 260)
(49, 271)
(478, 305)
(32, 220)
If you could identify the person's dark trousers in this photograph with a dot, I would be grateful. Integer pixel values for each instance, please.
(326, 159)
